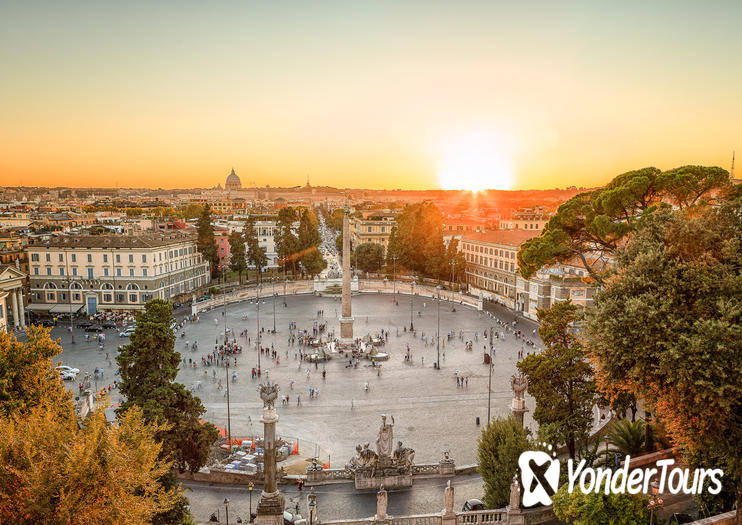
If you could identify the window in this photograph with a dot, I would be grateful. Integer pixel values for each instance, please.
(144, 272)
(369, 229)
(120, 297)
(90, 258)
(48, 257)
(76, 297)
(105, 272)
(131, 272)
(144, 257)
(48, 270)
(61, 257)
(35, 257)
(74, 257)
(107, 297)
(61, 270)
(90, 272)
(49, 296)
(118, 257)
(132, 298)
(118, 272)
(105, 257)
(131, 257)
(36, 270)
(74, 270)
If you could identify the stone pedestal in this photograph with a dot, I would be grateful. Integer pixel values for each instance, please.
(518, 408)
(271, 502)
(448, 516)
(395, 481)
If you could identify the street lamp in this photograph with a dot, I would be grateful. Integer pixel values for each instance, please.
(412, 297)
(226, 509)
(273, 287)
(394, 278)
(489, 381)
(438, 334)
(69, 291)
(257, 339)
(312, 504)
(453, 265)
(250, 487)
(229, 420)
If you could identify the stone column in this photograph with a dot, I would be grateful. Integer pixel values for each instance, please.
(346, 319)
(21, 309)
(15, 309)
(448, 516)
(271, 502)
(381, 504)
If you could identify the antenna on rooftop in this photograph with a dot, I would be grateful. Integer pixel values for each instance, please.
(731, 173)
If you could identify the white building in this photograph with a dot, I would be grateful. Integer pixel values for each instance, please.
(112, 272)
(12, 312)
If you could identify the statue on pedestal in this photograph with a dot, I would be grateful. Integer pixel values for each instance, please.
(385, 441)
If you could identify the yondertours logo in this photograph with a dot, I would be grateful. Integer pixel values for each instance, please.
(540, 478)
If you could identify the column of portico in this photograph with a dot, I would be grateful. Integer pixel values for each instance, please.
(15, 309)
(21, 309)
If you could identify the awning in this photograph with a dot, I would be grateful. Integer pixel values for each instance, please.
(40, 307)
(65, 308)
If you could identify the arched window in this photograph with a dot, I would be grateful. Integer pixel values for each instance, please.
(132, 286)
(107, 286)
(76, 286)
(50, 286)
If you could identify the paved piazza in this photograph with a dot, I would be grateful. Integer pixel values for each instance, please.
(432, 414)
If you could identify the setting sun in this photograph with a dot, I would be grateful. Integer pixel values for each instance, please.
(474, 162)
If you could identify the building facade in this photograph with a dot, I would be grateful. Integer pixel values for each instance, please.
(374, 229)
(534, 218)
(112, 272)
(492, 264)
(12, 311)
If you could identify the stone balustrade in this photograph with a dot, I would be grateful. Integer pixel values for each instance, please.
(482, 516)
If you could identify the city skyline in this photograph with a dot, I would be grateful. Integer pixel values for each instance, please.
(420, 96)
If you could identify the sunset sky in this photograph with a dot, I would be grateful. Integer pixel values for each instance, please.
(365, 94)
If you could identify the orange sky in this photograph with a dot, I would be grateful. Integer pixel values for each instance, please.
(365, 95)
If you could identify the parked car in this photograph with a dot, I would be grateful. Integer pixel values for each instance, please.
(65, 368)
(473, 504)
(84, 324)
(93, 328)
(48, 322)
(109, 324)
(67, 376)
(127, 332)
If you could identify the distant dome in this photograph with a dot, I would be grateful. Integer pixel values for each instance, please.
(233, 182)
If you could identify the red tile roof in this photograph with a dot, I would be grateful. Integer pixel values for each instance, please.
(512, 238)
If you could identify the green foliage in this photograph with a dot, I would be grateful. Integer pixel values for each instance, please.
(308, 233)
(237, 260)
(313, 262)
(27, 375)
(190, 211)
(596, 223)
(599, 509)
(667, 328)
(456, 261)
(148, 366)
(560, 378)
(335, 219)
(206, 243)
(498, 449)
(287, 243)
(417, 240)
(255, 253)
(369, 257)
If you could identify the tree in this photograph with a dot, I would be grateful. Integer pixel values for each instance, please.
(287, 243)
(148, 366)
(626, 438)
(206, 243)
(308, 230)
(667, 327)
(335, 219)
(313, 262)
(190, 211)
(54, 471)
(370, 257)
(560, 378)
(237, 260)
(255, 253)
(599, 509)
(417, 240)
(592, 225)
(456, 261)
(27, 376)
(498, 449)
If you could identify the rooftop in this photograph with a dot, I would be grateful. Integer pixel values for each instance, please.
(154, 240)
(512, 238)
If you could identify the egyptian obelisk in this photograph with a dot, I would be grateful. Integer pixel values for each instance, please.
(346, 319)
